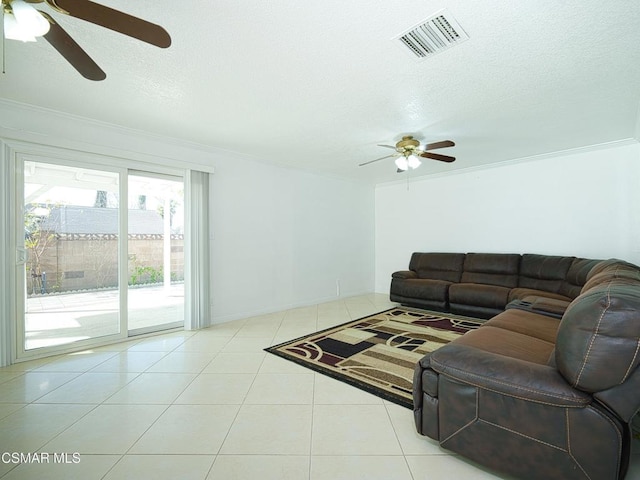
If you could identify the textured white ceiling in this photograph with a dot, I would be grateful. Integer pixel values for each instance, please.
(317, 85)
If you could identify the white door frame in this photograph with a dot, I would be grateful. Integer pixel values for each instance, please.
(20, 272)
(12, 155)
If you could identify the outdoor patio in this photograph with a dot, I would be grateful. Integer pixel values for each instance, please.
(57, 319)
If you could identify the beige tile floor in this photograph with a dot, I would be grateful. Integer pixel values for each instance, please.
(212, 404)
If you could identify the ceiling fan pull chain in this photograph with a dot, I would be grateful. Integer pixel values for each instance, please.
(3, 50)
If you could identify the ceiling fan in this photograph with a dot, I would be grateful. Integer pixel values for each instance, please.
(24, 22)
(408, 150)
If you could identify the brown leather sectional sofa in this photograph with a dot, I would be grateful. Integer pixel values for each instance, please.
(532, 393)
(482, 284)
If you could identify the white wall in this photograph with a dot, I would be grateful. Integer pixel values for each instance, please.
(285, 238)
(281, 238)
(585, 204)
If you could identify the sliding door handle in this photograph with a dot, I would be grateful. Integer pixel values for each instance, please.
(21, 256)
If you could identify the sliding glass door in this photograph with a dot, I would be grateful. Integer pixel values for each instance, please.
(155, 253)
(71, 238)
(95, 268)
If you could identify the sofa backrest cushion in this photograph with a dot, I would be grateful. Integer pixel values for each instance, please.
(612, 268)
(437, 266)
(577, 276)
(621, 277)
(543, 272)
(491, 269)
(598, 342)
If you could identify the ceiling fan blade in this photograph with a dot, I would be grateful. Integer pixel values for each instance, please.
(72, 52)
(376, 160)
(387, 146)
(437, 156)
(442, 144)
(114, 20)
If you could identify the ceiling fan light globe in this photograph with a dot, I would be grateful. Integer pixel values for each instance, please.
(413, 162)
(401, 163)
(12, 30)
(29, 21)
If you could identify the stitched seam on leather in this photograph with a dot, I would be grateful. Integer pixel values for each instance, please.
(594, 336)
(465, 426)
(447, 370)
(523, 435)
(464, 379)
(635, 355)
(568, 430)
(615, 429)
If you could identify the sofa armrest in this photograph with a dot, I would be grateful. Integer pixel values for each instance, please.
(507, 376)
(404, 274)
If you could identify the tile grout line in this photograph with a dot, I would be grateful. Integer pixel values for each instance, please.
(200, 372)
(404, 455)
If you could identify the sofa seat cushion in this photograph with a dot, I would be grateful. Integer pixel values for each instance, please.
(527, 323)
(526, 294)
(421, 288)
(480, 295)
(508, 343)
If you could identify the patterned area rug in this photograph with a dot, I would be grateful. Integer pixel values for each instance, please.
(377, 353)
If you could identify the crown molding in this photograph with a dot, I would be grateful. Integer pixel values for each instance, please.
(44, 126)
(514, 161)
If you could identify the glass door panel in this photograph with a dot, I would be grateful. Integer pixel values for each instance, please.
(155, 253)
(71, 232)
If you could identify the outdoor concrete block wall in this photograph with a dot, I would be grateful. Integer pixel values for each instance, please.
(80, 262)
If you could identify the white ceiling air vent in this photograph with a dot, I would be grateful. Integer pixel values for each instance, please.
(433, 35)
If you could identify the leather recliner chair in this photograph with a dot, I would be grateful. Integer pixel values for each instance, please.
(542, 398)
